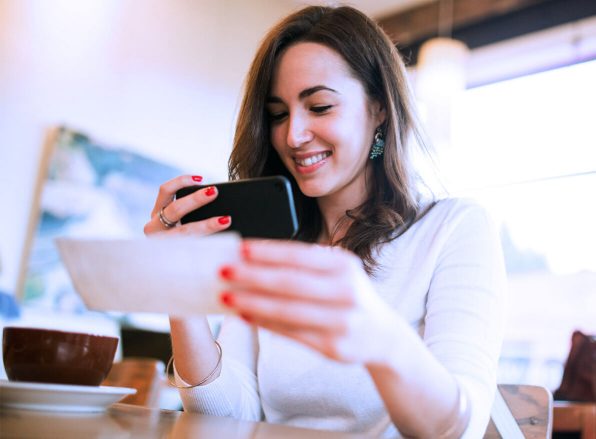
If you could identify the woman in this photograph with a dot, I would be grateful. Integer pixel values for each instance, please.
(392, 324)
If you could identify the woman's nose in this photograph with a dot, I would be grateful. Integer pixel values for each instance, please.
(299, 132)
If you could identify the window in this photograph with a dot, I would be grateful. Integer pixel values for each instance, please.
(526, 149)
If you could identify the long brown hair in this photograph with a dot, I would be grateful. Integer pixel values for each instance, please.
(393, 200)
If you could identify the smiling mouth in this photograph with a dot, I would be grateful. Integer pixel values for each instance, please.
(313, 160)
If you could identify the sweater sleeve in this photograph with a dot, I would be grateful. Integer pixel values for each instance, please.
(234, 393)
(466, 304)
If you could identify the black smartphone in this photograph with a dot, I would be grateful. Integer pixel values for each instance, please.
(260, 207)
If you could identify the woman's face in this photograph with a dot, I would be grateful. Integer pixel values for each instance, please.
(322, 122)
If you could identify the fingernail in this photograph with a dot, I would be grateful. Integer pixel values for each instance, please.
(246, 318)
(227, 299)
(226, 272)
(197, 178)
(210, 191)
(223, 220)
(245, 250)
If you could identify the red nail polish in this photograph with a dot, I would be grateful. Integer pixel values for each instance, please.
(226, 273)
(246, 318)
(245, 250)
(210, 191)
(227, 299)
(197, 178)
(223, 220)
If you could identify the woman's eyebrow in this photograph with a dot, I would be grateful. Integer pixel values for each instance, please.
(303, 94)
(312, 90)
(273, 100)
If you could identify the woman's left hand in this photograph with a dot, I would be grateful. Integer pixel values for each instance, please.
(319, 296)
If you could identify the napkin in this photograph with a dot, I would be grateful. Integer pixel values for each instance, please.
(170, 275)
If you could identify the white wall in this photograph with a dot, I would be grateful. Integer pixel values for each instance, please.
(162, 77)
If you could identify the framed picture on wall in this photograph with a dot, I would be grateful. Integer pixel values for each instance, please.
(85, 188)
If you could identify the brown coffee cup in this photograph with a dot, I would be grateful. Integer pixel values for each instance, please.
(60, 357)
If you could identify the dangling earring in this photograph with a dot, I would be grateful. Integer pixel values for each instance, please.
(378, 146)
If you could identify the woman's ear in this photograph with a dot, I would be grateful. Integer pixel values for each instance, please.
(378, 112)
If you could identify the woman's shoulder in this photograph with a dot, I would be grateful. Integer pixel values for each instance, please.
(451, 208)
(462, 221)
(454, 212)
(466, 217)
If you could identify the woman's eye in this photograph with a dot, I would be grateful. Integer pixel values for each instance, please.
(275, 117)
(320, 108)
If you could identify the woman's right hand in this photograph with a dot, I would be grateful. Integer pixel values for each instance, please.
(174, 209)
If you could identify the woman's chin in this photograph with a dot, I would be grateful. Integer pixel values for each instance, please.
(312, 190)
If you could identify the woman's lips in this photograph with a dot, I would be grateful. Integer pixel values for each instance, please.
(305, 165)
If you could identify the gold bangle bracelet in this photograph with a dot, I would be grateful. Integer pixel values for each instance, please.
(200, 383)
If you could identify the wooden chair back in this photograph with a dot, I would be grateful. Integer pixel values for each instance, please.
(576, 418)
(532, 408)
(146, 375)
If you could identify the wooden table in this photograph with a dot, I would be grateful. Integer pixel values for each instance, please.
(578, 417)
(129, 421)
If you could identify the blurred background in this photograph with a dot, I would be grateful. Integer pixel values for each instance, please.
(147, 89)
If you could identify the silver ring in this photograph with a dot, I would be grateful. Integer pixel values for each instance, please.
(164, 220)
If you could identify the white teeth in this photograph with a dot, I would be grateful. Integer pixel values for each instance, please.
(312, 160)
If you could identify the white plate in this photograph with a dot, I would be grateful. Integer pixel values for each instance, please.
(59, 397)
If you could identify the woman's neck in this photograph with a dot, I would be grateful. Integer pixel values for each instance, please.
(332, 216)
(333, 209)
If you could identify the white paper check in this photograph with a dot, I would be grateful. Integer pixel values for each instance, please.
(169, 275)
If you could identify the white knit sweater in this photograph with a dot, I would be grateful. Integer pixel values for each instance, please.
(445, 276)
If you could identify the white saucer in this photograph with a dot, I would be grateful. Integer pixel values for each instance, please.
(59, 397)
